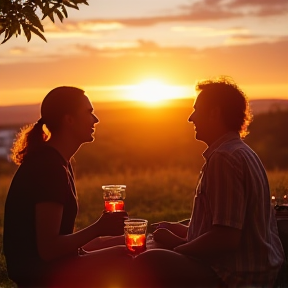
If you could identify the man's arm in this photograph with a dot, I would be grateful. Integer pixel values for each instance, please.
(176, 228)
(218, 242)
(167, 239)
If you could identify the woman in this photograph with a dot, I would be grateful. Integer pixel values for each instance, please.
(40, 245)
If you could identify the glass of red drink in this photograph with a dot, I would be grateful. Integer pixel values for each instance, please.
(114, 196)
(135, 235)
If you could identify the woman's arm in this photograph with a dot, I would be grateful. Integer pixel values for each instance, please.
(104, 242)
(52, 245)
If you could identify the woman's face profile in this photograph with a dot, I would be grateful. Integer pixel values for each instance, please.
(83, 127)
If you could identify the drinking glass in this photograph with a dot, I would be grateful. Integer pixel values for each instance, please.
(114, 196)
(135, 235)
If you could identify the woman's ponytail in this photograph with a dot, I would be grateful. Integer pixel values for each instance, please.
(30, 137)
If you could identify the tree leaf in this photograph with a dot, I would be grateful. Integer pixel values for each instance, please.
(51, 16)
(47, 11)
(32, 17)
(18, 16)
(59, 14)
(27, 32)
(39, 3)
(78, 1)
(64, 11)
(34, 30)
(19, 29)
(2, 28)
(9, 33)
(69, 4)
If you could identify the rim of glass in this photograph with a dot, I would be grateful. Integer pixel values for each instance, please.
(114, 186)
(137, 221)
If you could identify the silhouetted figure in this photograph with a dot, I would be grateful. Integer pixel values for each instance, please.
(231, 239)
(40, 245)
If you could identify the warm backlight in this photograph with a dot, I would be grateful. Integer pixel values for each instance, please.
(136, 243)
(152, 91)
(114, 206)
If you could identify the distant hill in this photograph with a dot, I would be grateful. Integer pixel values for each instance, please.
(13, 115)
(19, 114)
(265, 105)
(23, 114)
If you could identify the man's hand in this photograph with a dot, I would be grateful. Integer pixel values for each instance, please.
(167, 239)
(176, 228)
(162, 224)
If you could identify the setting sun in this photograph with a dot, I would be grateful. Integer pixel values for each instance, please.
(152, 91)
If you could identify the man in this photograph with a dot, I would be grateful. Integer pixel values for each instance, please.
(232, 231)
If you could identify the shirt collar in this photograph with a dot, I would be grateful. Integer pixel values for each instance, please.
(224, 138)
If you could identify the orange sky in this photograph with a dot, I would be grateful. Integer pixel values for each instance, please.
(109, 47)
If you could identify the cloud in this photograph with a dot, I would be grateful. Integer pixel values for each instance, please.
(82, 27)
(209, 31)
(107, 46)
(188, 16)
(257, 3)
(139, 48)
(18, 51)
(261, 8)
(240, 39)
(209, 10)
(203, 10)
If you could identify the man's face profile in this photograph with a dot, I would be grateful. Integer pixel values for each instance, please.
(200, 117)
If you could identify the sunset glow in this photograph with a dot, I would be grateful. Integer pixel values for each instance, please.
(151, 51)
(153, 91)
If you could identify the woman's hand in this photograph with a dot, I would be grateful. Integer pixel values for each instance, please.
(111, 223)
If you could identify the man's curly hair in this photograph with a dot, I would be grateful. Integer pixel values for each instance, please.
(224, 93)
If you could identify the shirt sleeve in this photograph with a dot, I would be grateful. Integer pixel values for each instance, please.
(51, 182)
(226, 191)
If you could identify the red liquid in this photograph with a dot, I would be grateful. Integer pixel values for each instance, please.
(136, 243)
(114, 206)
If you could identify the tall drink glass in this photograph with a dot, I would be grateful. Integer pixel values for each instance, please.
(114, 196)
(135, 235)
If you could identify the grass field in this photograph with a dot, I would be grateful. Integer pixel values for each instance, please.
(151, 194)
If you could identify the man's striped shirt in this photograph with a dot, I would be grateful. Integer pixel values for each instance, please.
(233, 191)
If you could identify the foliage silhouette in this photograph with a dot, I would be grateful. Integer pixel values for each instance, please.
(22, 15)
(269, 138)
